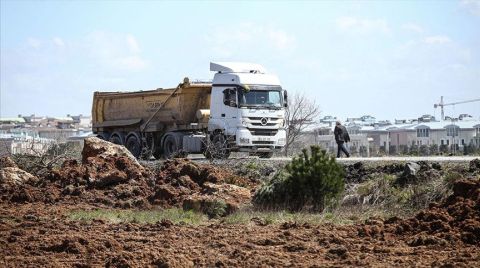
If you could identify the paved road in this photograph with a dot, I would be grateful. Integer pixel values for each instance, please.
(404, 159)
(374, 159)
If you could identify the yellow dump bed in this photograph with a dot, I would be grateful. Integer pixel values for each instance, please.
(179, 107)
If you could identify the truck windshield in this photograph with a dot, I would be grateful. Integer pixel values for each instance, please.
(264, 98)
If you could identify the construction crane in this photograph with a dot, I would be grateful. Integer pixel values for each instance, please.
(441, 104)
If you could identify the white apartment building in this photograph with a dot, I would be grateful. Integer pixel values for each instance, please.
(461, 133)
(23, 141)
(379, 139)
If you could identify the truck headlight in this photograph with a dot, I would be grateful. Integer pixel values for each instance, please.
(281, 141)
(245, 140)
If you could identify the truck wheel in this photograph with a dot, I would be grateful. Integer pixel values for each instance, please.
(265, 155)
(170, 146)
(116, 139)
(134, 145)
(220, 147)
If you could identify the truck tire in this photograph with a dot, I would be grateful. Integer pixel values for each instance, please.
(265, 155)
(134, 145)
(170, 146)
(116, 138)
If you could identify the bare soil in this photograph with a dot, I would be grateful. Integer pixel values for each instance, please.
(36, 234)
(446, 234)
(119, 182)
(35, 230)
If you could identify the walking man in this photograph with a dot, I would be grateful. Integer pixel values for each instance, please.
(341, 137)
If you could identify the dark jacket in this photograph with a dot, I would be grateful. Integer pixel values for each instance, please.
(341, 134)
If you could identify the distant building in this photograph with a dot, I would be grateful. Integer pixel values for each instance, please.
(82, 122)
(34, 134)
(465, 117)
(460, 133)
(23, 141)
(382, 137)
(426, 118)
(12, 121)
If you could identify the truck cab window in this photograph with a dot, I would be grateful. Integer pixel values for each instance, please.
(230, 97)
(260, 98)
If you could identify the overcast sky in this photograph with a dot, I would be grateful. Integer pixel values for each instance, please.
(389, 59)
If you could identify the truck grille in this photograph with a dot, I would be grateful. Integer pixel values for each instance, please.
(260, 118)
(270, 121)
(266, 125)
(263, 132)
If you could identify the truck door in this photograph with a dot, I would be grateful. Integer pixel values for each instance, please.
(229, 111)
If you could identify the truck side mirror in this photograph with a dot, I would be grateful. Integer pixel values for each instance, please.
(285, 98)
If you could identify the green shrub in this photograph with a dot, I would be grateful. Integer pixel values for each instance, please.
(310, 182)
(215, 208)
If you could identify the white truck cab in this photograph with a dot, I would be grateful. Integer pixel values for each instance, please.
(247, 109)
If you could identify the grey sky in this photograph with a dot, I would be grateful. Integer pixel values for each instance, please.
(390, 59)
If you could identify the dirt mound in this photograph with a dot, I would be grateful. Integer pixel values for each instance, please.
(454, 221)
(107, 175)
(112, 181)
(110, 176)
(218, 199)
(98, 172)
(200, 173)
(180, 182)
(95, 147)
(15, 183)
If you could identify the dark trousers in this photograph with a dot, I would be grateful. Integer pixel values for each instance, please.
(342, 148)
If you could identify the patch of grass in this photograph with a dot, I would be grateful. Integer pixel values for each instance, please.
(174, 215)
(376, 190)
(382, 194)
(268, 217)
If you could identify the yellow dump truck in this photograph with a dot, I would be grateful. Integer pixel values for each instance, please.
(242, 109)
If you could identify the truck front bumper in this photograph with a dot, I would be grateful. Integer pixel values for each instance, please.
(248, 140)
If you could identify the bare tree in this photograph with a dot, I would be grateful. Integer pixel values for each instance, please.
(300, 113)
(38, 157)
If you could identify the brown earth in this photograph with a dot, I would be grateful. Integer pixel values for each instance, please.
(444, 235)
(37, 234)
(453, 223)
(35, 230)
(109, 176)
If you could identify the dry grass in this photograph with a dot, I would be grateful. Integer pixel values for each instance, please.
(174, 215)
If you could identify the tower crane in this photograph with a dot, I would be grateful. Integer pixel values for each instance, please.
(442, 104)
